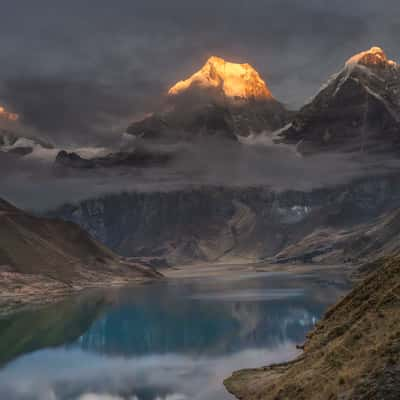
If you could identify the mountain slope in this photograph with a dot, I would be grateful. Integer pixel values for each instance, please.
(360, 243)
(353, 353)
(39, 254)
(357, 110)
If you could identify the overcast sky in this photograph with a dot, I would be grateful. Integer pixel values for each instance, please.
(78, 70)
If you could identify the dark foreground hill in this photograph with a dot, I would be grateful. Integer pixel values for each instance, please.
(41, 255)
(353, 353)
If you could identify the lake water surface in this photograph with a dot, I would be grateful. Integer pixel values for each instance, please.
(171, 340)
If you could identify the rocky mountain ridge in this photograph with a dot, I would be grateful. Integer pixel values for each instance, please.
(357, 110)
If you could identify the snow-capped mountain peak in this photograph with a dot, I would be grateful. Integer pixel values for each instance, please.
(6, 115)
(374, 57)
(233, 80)
(357, 110)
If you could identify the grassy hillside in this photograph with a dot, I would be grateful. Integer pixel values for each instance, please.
(353, 353)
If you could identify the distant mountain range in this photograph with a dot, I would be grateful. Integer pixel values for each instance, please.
(356, 111)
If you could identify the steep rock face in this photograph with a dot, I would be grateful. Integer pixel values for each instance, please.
(186, 122)
(222, 99)
(196, 120)
(353, 353)
(357, 110)
(212, 223)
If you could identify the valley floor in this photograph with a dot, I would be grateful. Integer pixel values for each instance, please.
(204, 270)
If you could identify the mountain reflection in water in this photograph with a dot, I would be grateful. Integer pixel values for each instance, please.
(172, 340)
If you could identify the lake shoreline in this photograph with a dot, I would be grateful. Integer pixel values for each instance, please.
(209, 270)
(205, 321)
(20, 291)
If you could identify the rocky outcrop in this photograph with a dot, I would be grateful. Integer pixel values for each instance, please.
(357, 110)
(134, 158)
(353, 353)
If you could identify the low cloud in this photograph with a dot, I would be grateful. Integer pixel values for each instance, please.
(38, 184)
(77, 112)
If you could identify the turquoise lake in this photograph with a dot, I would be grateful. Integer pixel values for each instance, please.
(170, 340)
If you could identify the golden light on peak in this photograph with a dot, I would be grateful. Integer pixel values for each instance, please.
(374, 56)
(235, 80)
(7, 115)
